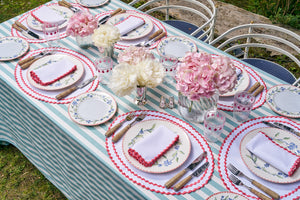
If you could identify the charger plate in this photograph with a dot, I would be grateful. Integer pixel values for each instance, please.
(92, 108)
(139, 32)
(229, 153)
(172, 159)
(284, 100)
(61, 10)
(12, 48)
(61, 83)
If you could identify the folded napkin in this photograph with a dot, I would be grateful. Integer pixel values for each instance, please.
(44, 14)
(129, 23)
(153, 146)
(269, 151)
(48, 74)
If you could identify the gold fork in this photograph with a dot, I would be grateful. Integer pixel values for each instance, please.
(118, 136)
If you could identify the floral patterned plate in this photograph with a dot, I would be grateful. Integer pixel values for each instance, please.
(12, 48)
(176, 46)
(65, 12)
(92, 108)
(263, 169)
(284, 100)
(226, 196)
(172, 159)
(92, 3)
(138, 32)
(61, 83)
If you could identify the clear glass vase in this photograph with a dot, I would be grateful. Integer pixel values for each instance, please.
(106, 51)
(194, 111)
(84, 42)
(140, 98)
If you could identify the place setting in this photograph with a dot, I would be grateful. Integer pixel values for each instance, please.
(179, 162)
(135, 28)
(247, 161)
(30, 26)
(44, 78)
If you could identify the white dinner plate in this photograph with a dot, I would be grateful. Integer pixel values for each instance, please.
(226, 196)
(61, 83)
(284, 100)
(171, 160)
(61, 10)
(92, 108)
(138, 32)
(92, 3)
(262, 169)
(12, 48)
(176, 46)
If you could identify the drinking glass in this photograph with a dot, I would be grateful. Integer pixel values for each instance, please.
(170, 65)
(242, 105)
(51, 34)
(104, 66)
(214, 122)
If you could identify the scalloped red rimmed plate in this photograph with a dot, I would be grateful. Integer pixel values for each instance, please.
(171, 160)
(226, 196)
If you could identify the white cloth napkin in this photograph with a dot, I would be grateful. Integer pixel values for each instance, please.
(269, 151)
(44, 14)
(153, 146)
(48, 74)
(129, 23)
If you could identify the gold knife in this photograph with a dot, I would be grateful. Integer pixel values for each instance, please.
(191, 166)
(72, 89)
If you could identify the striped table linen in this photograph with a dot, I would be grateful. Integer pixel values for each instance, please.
(74, 157)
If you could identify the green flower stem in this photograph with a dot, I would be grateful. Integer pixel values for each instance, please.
(190, 108)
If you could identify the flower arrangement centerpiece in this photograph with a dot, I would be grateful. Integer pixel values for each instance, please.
(137, 70)
(105, 37)
(81, 26)
(201, 77)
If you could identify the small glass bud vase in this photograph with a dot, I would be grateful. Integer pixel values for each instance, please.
(84, 42)
(106, 51)
(140, 98)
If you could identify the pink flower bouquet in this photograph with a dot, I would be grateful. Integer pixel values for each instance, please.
(134, 55)
(81, 24)
(202, 74)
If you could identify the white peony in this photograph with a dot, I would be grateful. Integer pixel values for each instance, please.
(106, 35)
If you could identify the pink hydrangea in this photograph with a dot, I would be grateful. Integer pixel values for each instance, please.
(201, 74)
(134, 55)
(81, 24)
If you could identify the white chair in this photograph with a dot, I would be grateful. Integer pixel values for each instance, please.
(203, 12)
(262, 36)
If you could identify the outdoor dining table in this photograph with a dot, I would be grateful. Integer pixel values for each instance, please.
(75, 157)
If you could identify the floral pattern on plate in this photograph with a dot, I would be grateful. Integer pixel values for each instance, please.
(172, 159)
(261, 168)
(92, 108)
(12, 47)
(92, 3)
(226, 196)
(284, 100)
(138, 32)
(176, 46)
(61, 83)
(63, 11)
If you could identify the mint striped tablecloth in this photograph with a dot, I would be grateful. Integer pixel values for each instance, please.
(74, 157)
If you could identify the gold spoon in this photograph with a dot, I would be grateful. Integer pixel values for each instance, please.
(116, 127)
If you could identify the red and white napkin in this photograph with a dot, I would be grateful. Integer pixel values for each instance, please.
(48, 74)
(44, 14)
(153, 146)
(129, 23)
(269, 151)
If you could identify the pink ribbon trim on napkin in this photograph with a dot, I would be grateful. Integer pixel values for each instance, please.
(37, 79)
(141, 160)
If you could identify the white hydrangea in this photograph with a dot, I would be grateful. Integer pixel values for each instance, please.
(106, 35)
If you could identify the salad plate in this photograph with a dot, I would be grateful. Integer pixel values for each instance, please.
(65, 12)
(61, 83)
(92, 108)
(176, 46)
(12, 48)
(171, 160)
(284, 100)
(226, 196)
(262, 169)
(92, 3)
(139, 32)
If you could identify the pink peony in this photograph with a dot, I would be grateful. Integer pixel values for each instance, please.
(134, 55)
(81, 24)
(201, 74)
